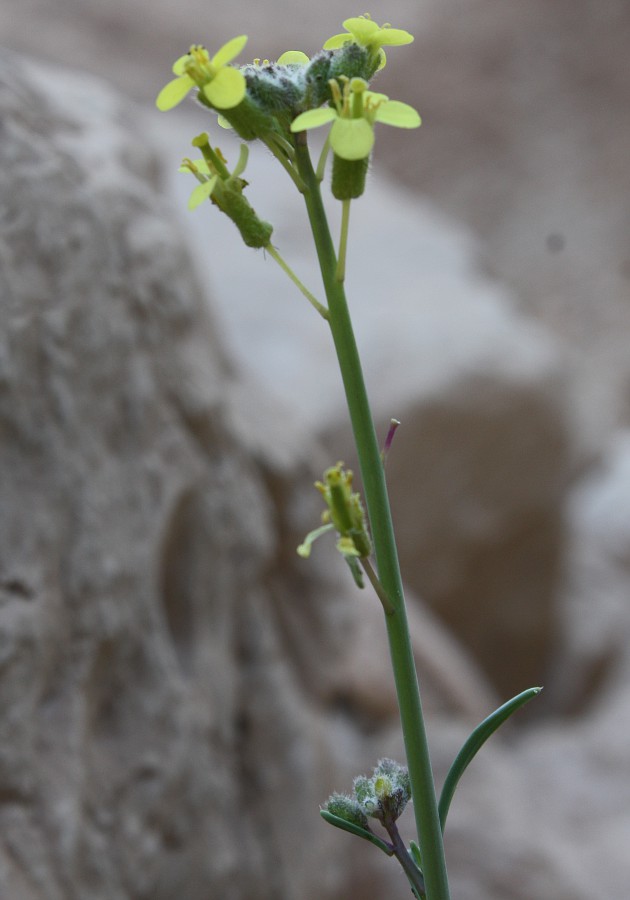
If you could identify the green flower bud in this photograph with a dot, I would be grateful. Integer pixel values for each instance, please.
(352, 61)
(385, 794)
(316, 78)
(276, 89)
(347, 808)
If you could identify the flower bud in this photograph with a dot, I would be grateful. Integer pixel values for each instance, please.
(347, 808)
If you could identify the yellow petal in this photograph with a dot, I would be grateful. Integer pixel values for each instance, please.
(394, 37)
(337, 40)
(201, 193)
(398, 114)
(228, 51)
(361, 28)
(352, 138)
(227, 88)
(179, 66)
(375, 97)
(174, 92)
(313, 118)
(293, 57)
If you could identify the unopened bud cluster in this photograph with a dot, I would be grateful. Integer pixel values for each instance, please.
(382, 796)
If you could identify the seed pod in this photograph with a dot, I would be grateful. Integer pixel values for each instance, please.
(348, 177)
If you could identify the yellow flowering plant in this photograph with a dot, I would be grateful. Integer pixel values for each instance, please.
(362, 30)
(278, 103)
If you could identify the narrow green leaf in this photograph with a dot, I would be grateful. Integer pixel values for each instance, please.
(414, 852)
(357, 574)
(474, 743)
(356, 829)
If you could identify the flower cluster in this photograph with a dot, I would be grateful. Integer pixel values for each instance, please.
(382, 796)
(276, 101)
(345, 514)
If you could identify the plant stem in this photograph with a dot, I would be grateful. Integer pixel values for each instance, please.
(271, 250)
(376, 584)
(343, 241)
(284, 162)
(402, 855)
(377, 501)
(321, 165)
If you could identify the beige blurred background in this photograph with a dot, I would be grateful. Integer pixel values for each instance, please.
(508, 215)
(526, 132)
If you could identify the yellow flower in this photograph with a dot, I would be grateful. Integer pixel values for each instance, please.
(362, 30)
(222, 86)
(356, 110)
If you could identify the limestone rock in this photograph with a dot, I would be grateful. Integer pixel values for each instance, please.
(593, 657)
(117, 728)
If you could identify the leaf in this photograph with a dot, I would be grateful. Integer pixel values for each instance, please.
(356, 829)
(475, 742)
(414, 852)
(357, 574)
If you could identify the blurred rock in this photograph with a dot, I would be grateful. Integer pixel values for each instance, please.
(118, 689)
(526, 140)
(594, 603)
(478, 472)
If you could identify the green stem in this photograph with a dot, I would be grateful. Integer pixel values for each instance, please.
(340, 274)
(377, 501)
(215, 163)
(286, 268)
(321, 165)
(376, 584)
(402, 855)
(284, 162)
